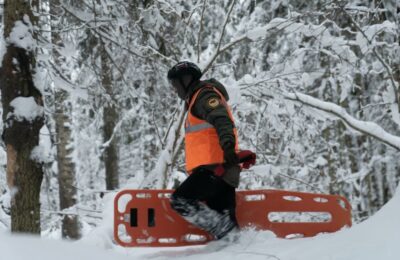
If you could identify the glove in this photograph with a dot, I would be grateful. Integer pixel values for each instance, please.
(247, 158)
(230, 156)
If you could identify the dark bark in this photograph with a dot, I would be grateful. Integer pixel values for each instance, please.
(24, 175)
(110, 118)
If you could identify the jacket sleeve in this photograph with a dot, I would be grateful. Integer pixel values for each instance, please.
(208, 106)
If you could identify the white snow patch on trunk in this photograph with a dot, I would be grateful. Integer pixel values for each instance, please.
(21, 34)
(39, 79)
(26, 108)
(43, 152)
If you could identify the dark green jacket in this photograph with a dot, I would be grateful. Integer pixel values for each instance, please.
(218, 116)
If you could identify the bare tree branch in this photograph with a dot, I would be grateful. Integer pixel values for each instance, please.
(200, 30)
(218, 51)
(156, 127)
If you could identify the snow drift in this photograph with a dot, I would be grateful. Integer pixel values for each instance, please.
(375, 238)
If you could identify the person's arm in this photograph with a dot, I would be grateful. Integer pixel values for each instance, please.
(208, 106)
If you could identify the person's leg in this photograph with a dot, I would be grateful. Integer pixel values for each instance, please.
(224, 199)
(197, 187)
(218, 216)
(224, 202)
(187, 199)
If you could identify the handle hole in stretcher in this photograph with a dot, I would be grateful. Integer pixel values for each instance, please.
(194, 238)
(167, 240)
(123, 202)
(292, 198)
(143, 195)
(148, 240)
(321, 200)
(123, 235)
(342, 204)
(151, 220)
(300, 217)
(255, 197)
(134, 217)
(295, 235)
(164, 195)
(126, 218)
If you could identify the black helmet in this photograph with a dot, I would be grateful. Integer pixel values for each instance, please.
(184, 68)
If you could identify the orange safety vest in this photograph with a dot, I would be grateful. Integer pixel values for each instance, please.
(202, 145)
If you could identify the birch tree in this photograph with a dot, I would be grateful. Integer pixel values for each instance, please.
(63, 109)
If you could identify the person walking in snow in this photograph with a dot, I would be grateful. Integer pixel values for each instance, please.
(207, 199)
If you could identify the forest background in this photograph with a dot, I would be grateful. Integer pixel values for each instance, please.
(87, 108)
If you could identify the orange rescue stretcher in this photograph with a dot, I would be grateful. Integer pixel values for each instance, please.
(144, 218)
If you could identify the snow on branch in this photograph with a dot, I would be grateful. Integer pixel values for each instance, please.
(368, 128)
(274, 26)
(97, 31)
(369, 38)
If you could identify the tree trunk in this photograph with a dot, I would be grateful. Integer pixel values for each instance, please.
(66, 167)
(110, 118)
(21, 131)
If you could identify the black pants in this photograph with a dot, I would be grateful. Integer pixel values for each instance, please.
(206, 201)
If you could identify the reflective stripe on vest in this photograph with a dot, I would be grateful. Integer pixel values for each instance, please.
(201, 138)
(191, 129)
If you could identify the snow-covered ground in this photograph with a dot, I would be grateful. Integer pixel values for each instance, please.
(376, 238)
